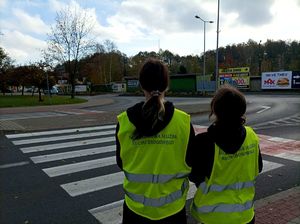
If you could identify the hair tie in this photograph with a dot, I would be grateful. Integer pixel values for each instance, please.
(155, 93)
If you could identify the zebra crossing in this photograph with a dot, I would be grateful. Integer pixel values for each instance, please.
(62, 153)
(293, 120)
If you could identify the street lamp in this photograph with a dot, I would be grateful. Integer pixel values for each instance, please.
(204, 23)
(217, 48)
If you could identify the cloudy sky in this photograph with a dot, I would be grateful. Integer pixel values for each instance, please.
(147, 25)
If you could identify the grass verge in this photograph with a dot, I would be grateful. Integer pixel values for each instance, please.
(23, 101)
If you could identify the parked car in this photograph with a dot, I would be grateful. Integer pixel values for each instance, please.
(53, 90)
(5, 91)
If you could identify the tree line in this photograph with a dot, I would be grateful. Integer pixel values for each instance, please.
(73, 55)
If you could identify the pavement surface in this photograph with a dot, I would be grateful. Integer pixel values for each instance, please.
(283, 207)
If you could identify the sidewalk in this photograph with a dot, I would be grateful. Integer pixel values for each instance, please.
(55, 117)
(67, 116)
(283, 207)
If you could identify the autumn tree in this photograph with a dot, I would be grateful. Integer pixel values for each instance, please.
(5, 65)
(21, 76)
(70, 40)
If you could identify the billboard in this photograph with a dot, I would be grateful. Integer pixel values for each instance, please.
(80, 88)
(296, 80)
(276, 80)
(238, 77)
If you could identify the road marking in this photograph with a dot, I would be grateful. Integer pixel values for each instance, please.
(283, 140)
(263, 110)
(63, 137)
(112, 213)
(93, 184)
(109, 213)
(78, 167)
(72, 154)
(290, 156)
(9, 165)
(268, 166)
(63, 131)
(40, 148)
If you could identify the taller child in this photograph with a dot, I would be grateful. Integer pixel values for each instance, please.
(153, 149)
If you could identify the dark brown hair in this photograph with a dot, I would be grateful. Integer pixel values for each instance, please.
(229, 106)
(154, 75)
(153, 78)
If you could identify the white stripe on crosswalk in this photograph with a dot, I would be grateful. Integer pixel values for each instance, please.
(64, 137)
(46, 141)
(289, 156)
(93, 184)
(112, 213)
(72, 154)
(64, 131)
(77, 167)
(40, 148)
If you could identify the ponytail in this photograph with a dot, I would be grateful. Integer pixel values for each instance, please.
(154, 110)
(153, 78)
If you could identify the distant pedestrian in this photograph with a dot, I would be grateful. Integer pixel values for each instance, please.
(227, 163)
(153, 143)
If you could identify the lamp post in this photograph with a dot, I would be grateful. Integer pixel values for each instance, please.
(259, 58)
(217, 48)
(204, 24)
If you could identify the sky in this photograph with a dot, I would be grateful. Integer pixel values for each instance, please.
(150, 25)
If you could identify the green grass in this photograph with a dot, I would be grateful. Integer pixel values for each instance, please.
(23, 101)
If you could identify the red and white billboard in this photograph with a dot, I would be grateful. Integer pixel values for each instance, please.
(276, 80)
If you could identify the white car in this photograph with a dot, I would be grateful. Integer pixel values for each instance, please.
(53, 90)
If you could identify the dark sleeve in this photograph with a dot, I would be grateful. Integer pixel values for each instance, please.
(118, 148)
(202, 159)
(260, 161)
(190, 147)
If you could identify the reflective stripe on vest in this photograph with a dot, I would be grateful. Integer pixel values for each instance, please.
(227, 196)
(155, 168)
(152, 178)
(219, 188)
(158, 202)
(224, 207)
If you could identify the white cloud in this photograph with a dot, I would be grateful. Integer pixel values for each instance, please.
(30, 23)
(55, 5)
(24, 22)
(21, 47)
(136, 25)
(2, 3)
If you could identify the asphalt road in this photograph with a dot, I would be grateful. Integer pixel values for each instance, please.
(71, 177)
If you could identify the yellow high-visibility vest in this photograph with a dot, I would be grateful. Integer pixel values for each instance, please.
(228, 195)
(155, 183)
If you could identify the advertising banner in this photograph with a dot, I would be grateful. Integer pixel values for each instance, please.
(238, 77)
(235, 70)
(80, 88)
(276, 80)
(241, 81)
(133, 83)
(296, 80)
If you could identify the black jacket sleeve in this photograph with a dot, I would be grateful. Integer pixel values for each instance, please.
(260, 162)
(202, 159)
(118, 156)
(190, 147)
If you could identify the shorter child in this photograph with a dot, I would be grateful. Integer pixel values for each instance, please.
(227, 163)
